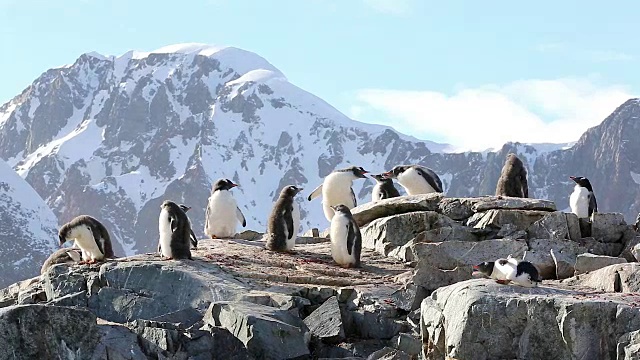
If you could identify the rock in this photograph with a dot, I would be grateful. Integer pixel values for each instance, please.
(480, 319)
(565, 251)
(594, 246)
(573, 224)
(325, 322)
(386, 234)
(260, 328)
(409, 297)
(159, 339)
(608, 227)
(60, 280)
(564, 265)
(47, 332)
(389, 354)
(368, 212)
(552, 226)
(629, 346)
(117, 342)
(510, 231)
(457, 208)
(66, 256)
(630, 250)
(408, 343)
(496, 218)
(590, 262)
(614, 278)
(512, 203)
(249, 235)
(441, 264)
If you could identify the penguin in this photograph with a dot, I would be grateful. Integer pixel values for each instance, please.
(193, 238)
(336, 189)
(61, 256)
(582, 200)
(284, 221)
(416, 179)
(90, 236)
(346, 240)
(175, 232)
(383, 189)
(222, 214)
(513, 178)
(508, 270)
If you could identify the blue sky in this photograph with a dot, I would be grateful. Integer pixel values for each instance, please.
(463, 72)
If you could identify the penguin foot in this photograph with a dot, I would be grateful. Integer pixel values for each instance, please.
(169, 258)
(214, 237)
(503, 282)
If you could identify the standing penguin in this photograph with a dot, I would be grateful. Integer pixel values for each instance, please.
(193, 238)
(346, 240)
(513, 179)
(582, 200)
(336, 189)
(223, 214)
(383, 189)
(416, 179)
(175, 231)
(284, 221)
(90, 236)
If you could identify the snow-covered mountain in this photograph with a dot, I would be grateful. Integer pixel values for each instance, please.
(115, 136)
(28, 228)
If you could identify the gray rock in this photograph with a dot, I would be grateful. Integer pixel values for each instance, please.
(608, 227)
(408, 343)
(60, 281)
(368, 212)
(630, 250)
(117, 342)
(510, 231)
(47, 332)
(387, 233)
(457, 208)
(629, 346)
(480, 319)
(10, 295)
(496, 218)
(409, 297)
(564, 265)
(266, 332)
(565, 251)
(512, 203)
(552, 226)
(325, 322)
(623, 278)
(573, 224)
(388, 353)
(441, 264)
(590, 262)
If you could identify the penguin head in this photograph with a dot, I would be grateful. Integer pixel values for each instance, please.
(170, 206)
(381, 178)
(223, 184)
(290, 191)
(63, 238)
(582, 181)
(485, 268)
(357, 171)
(397, 170)
(341, 209)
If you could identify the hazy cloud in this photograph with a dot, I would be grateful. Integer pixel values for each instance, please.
(393, 7)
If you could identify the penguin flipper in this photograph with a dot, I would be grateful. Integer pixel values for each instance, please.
(288, 220)
(97, 238)
(431, 178)
(194, 239)
(353, 197)
(351, 235)
(206, 219)
(315, 193)
(593, 204)
(240, 216)
(174, 223)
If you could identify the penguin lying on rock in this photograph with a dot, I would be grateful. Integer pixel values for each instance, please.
(416, 179)
(508, 270)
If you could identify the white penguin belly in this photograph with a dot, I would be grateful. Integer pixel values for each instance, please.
(376, 194)
(336, 190)
(338, 234)
(223, 220)
(164, 227)
(504, 272)
(414, 183)
(295, 213)
(83, 238)
(579, 201)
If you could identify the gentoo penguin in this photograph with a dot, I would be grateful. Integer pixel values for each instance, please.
(513, 178)
(346, 240)
(90, 236)
(522, 273)
(175, 232)
(61, 256)
(582, 200)
(336, 189)
(416, 179)
(193, 238)
(383, 189)
(223, 214)
(284, 221)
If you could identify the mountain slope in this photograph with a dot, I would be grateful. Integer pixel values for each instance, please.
(113, 137)
(28, 228)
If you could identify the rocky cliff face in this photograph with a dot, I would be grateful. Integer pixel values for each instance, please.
(28, 228)
(113, 137)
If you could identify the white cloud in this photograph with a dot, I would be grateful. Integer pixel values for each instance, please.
(581, 54)
(393, 7)
(530, 111)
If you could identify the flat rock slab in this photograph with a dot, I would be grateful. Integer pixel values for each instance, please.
(620, 278)
(480, 319)
(512, 203)
(590, 262)
(325, 322)
(267, 333)
(368, 212)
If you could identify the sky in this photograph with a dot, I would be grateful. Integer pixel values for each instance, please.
(473, 74)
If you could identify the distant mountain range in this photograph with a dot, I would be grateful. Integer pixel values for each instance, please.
(113, 137)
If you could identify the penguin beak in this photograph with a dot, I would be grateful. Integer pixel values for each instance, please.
(300, 189)
(386, 175)
(572, 177)
(234, 185)
(476, 268)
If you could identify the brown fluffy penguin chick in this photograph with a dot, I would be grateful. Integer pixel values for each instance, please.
(284, 221)
(513, 179)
